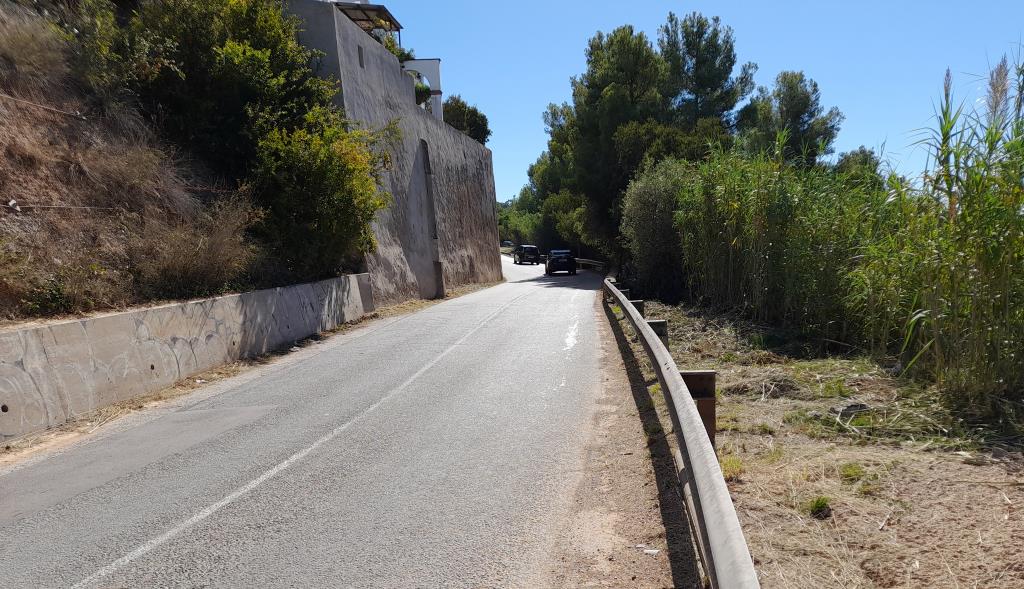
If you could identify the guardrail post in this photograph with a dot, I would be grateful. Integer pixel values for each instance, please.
(639, 304)
(702, 388)
(660, 328)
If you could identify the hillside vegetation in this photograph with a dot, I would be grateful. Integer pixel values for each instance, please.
(701, 189)
(171, 149)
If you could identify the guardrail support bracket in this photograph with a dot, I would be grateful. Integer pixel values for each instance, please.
(639, 304)
(660, 328)
(702, 388)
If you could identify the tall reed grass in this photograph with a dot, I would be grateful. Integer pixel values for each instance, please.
(954, 258)
(928, 272)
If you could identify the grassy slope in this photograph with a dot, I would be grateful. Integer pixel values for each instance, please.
(106, 212)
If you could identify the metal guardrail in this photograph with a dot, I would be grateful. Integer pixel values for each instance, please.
(720, 543)
(594, 264)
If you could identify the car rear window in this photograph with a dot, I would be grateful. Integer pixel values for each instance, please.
(530, 249)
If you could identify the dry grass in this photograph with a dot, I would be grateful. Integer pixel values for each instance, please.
(32, 54)
(166, 256)
(106, 216)
(909, 504)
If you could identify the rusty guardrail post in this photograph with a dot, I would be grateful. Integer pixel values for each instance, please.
(660, 328)
(639, 304)
(701, 384)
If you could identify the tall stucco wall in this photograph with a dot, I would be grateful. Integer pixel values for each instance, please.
(52, 373)
(455, 192)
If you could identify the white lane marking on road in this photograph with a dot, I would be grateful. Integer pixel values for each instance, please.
(570, 338)
(269, 474)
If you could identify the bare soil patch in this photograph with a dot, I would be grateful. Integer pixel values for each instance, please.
(845, 475)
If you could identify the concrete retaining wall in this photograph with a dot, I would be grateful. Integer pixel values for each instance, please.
(441, 229)
(53, 372)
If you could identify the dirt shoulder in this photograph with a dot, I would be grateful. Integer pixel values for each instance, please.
(846, 476)
(627, 528)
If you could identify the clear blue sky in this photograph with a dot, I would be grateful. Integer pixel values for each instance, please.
(881, 63)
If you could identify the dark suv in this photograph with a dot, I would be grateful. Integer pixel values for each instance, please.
(526, 253)
(559, 260)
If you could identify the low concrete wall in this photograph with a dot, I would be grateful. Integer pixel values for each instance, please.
(51, 373)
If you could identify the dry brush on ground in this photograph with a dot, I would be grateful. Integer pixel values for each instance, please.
(845, 475)
(96, 212)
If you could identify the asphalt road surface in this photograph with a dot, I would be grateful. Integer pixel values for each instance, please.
(435, 448)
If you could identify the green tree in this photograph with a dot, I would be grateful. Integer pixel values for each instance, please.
(860, 159)
(519, 219)
(622, 83)
(790, 115)
(565, 212)
(700, 55)
(466, 118)
(319, 187)
(642, 144)
(861, 165)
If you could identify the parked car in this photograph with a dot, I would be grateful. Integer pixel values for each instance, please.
(560, 260)
(524, 254)
(507, 243)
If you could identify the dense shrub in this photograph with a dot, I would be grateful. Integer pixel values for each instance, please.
(770, 239)
(319, 187)
(222, 73)
(649, 232)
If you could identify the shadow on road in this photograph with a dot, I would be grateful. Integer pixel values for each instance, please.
(682, 557)
(584, 280)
